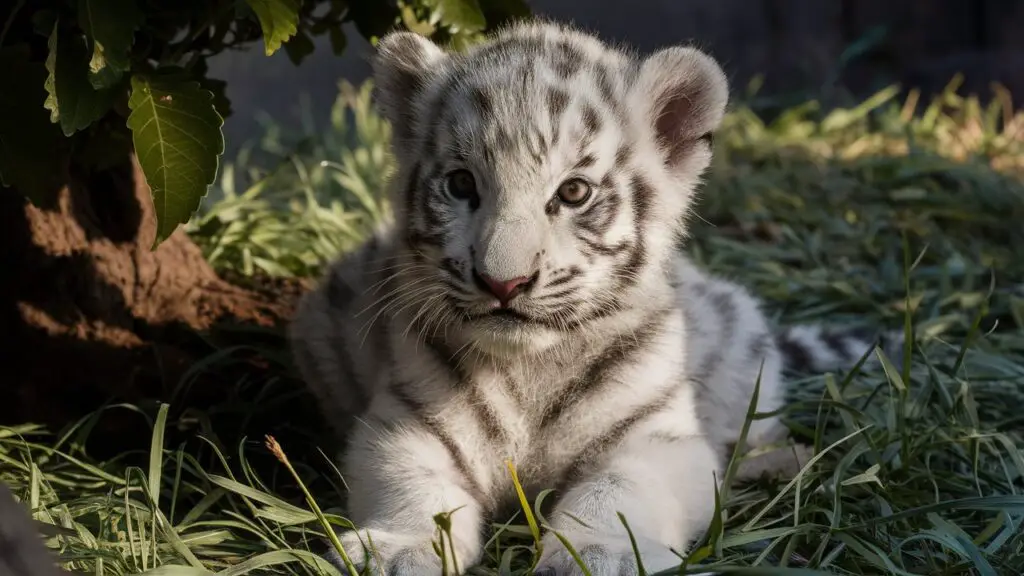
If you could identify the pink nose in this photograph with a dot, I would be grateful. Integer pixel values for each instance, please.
(504, 290)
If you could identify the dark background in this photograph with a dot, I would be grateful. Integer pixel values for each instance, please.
(835, 50)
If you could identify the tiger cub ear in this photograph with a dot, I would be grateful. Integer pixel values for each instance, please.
(401, 67)
(682, 93)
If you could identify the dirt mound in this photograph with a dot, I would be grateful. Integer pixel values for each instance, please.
(89, 313)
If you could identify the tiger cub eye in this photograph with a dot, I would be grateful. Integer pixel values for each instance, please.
(574, 192)
(461, 185)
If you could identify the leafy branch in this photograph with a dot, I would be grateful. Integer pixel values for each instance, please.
(81, 75)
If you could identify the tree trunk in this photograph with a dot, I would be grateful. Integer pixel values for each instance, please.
(90, 312)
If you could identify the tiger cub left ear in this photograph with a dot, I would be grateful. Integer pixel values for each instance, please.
(683, 93)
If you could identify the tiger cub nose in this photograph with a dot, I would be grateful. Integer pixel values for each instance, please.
(503, 290)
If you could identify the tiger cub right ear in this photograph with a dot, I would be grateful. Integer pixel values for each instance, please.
(401, 67)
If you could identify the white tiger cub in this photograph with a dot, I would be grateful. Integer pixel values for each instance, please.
(529, 303)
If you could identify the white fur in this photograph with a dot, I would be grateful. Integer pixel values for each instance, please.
(669, 408)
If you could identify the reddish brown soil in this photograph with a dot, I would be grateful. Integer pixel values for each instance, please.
(90, 314)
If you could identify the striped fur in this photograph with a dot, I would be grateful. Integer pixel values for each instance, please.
(620, 374)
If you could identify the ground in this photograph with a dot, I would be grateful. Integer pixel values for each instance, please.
(92, 314)
(905, 217)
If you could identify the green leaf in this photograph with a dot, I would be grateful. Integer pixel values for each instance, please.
(177, 135)
(299, 47)
(461, 16)
(338, 40)
(110, 26)
(156, 454)
(279, 20)
(72, 100)
(31, 148)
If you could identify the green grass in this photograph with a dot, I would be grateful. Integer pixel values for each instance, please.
(319, 196)
(885, 213)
